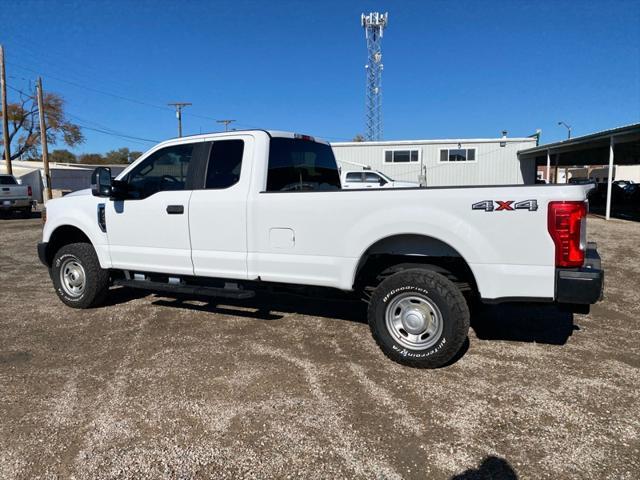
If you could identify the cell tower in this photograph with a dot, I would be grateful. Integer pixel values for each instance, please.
(374, 24)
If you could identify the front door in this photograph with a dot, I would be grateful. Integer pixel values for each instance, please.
(149, 231)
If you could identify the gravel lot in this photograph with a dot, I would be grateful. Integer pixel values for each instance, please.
(158, 387)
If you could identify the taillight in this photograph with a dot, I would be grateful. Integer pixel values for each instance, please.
(566, 222)
(29, 191)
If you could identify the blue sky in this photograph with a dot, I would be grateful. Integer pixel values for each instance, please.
(452, 69)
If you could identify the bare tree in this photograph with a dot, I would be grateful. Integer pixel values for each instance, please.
(24, 129)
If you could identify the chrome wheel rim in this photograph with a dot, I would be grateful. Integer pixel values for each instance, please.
(414, 321)
(72, 277)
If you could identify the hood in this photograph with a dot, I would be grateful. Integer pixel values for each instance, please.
(79, 193)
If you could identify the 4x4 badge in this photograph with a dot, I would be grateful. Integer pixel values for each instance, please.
(505, 205)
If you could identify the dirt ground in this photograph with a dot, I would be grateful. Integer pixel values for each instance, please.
(156, 387)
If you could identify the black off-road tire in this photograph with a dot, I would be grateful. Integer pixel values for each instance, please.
(440, 291)
(96, 284)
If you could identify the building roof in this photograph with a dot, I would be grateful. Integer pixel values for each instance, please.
(631, 130)
(434, 141)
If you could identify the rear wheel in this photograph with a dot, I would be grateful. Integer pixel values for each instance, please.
(77, 277)
(419, 318)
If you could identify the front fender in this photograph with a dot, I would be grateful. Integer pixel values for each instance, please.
(80, 212)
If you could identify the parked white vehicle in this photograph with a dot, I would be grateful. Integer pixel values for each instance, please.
(228, 214)
(15, 197)
(372, 179)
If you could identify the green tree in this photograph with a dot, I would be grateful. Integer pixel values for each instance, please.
(24, 125)
(117, 156)
(62, 156)
(91, 159)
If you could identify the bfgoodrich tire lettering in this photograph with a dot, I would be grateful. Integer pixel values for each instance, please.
(82, 258)
(429, 339)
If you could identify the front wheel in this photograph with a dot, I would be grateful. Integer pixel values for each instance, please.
(77, 277)
(419, 318)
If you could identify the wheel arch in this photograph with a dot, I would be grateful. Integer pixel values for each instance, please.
(64, 235)
(412, 250)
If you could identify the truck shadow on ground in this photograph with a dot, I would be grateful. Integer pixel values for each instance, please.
(491, 468)
(508, 322)
(272, 306)
(522, 322)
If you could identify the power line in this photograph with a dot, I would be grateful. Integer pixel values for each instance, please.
(96, 90)
(130, 137)
(105, 130)
(142, 102)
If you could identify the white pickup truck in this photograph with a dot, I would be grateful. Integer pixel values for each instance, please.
(228, 214)
(372, 179)
(15, 197)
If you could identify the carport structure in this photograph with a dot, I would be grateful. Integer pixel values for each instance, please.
(617, 146)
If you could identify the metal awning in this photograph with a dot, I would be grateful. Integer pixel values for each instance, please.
(617, 146)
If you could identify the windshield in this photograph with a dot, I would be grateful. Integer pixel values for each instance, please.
(7, 180)
(388, 179)
(296, 164)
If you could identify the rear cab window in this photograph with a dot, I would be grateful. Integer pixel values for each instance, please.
(7, 180)
(301, 165)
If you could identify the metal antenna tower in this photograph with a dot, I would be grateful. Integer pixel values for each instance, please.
(374, 24)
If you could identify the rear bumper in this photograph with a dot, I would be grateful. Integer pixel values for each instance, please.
(584, 285)
(10, 204)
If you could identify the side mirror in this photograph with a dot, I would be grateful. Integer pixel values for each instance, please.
(101, 182)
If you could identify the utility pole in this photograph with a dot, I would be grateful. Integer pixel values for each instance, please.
(226, 124)
(5, 116)
(179, 106)
(43, 140)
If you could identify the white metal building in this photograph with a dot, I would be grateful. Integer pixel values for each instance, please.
(448, 162)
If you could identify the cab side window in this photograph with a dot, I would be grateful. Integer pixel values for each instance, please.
(354, 177)
(371, 177)
(164, 170)
(225, 162)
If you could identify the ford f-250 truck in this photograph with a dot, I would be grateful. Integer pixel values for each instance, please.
(227, 214)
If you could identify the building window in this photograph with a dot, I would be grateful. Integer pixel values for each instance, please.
(458, 155)
(401, 156)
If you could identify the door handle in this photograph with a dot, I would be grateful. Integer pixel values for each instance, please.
(175, 209)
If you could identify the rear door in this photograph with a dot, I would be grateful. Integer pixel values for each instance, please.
(149, 231)
(218, 209)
